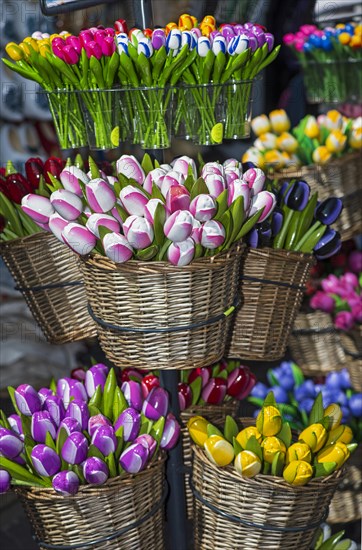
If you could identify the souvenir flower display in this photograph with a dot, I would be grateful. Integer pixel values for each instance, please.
(324, 540)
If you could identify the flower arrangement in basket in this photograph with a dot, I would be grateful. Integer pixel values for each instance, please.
(268, 467)
(330, 59)
(73, 443)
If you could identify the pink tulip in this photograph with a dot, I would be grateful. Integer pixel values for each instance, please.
(95, 221)
(133, 200)
(215, 184)
(85, 37)
(356, 311)
(75, 42)
(70, 55)
(139, 232)
(129, 166)
(232, 174)
(100, 195)
(57, 50)
(37, 207)
(67, 204)
(331, 284)
(117, 248)
(181, 253)
(151, 207)
(349, 280)
(69, 178)
(255, 178)
(238, 188)
(213, 234)
(265, 200)
(183, 165)
(154, 177)
(177, 198)
(79, 238)
(212, 168)
(344, 321)
(92, 48)
(203, 207)
(322, 301)
(196, 231)
(57, 225)
(170, 179)
(178, 226)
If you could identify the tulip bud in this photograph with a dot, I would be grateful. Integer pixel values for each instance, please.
(150, 209)
(75, 448)
(96, 421)
(328, 211)
(69, 178)
(100, 195)
(355, 138)
(45, 460)
(311, 128)
(218, 450)
(203, 207)
(237, 381)
(138, 231)
(203, 372)
(247, 464)
(41, 424)
(181, 253)
(219, 45)
(133, 200)
(70, 425)
(27, 400)
(95, 221)
(171, 433)
(279, 121)
(148, 383)
(269, 421)
(5, 481)
(95, 471)
(238, 44)
(156, 177)
(94, 377)
(133, 394)
(177, 198)
(57, 224)
(245, 434)
(265, 200)
(129, 166)
(68, 388)
(134, 458)
(38, 208)
(298, 473)
(173, 40)
(171, 179)
(147, 441)
(213, 234)
(16, 425)
(212, 168)
(67, 204)
(78, 409)
(254, 156)
(328, 245)
(184, 395)
(334, 413)
(178, 226)
(66, 483)
(156, 404)
(299, 451)
(10, 443)
(314, 436)
(271, 446)
(183, 165)
(214, 391)
(215, 183)
(104, 439)
(130, 419)
(197, 428)
(79, 238)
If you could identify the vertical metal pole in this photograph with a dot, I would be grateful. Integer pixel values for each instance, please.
(143, 15)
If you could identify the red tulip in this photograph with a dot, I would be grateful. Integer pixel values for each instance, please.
(184, 395)
(251, 383)
(54, 165)
(15, 187)
(121, 26)
(130, 374)
(204, 372)
(237, 381)
(214, 391)
(34, 170)
(148, 383)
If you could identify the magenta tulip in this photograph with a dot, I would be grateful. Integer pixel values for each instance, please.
(70, 55)
(171, 179)
(95, 221)
(255, 178)
(177, 198)
(322, 301)
(117, 248)
(344, 321)
(93, 49)
(213, 234)
(38, 208)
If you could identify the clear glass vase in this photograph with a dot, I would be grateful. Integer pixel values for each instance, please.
(65, 107)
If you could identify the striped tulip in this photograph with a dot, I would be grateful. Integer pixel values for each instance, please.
(150, 209)
(279, 121)
(321, 155)
(189, 39)
(287, 142)
(173, 40)
(41, 425)
(95, 471)
(182, 252)
(178, 226)
(183, 165)
(70, 425)
(45, 460)
(255, 178)
(94, 377)
(260, 125)
(96, 421)
(219, 45)
(156, 404)
(133, 200)
(212, 168)
(147, 441)
(44, 393)
(95, 221)
(79, 238)
(214, 391)
(68, 388)
(336, 141)
(56, 225)
(236, 189)
(69, 178)
(170, 179)
(100, 195)
(117, 248)
(196, 231)
(133, 394)
(129, 166)
(130, 419)
(154, 177)
(177, 198)
(203, 207)
(138, 231)
(213, 234)
(55, 407)
(78, 409)
(104, 439)
(238, 44)
(75, 448)
(171, 433)
(66, 483)
(203, 46)
(16, 425)
(27, 400)
(266, 142)
(67, 204)
(265, 200)
(10, 443)
(218, 450)
(38, 208)
(215, 183)
(134, 458)
(311, 128)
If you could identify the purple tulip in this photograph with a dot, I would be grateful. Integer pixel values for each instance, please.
(66, 483)
(355, 404)
(214, 391)
(213, 234)
(181, 253)
(16, 425)
(196, 33)
(177, 198)
(95, 221)
(306, 404)
(41, 424)
(215, 184)
(328, 245)
(133, 200)
(45, 460)
(147, 441)
(276, 221)
(100, 195)
(68, 388)
(265, 200)
(134, 458)
(183, 165)
(355, 261)
(280, 394)
(133, 394)
(228, 32)
(75, 448)
(94, 377)
(331, 284)
(150, 209)
(344, 379)
(95, 471)
(78, 409)
(171, 179)
(178, 226)
(171, 433)
(55, 407)
(156, 404)
(69, 178)
(10, 443)
(79, 238)
(158, 39)
(57, 225)
(238, 188)
(130, 419)
(38, 208)
(117, 248)
(329, 210)
(129, 166)
(255, 178)
(138, 231)
(70, 425)
(5, 481)
(203, 207)
(27, 400)
(344, 320)
(269, 40)
(252, 238)
(154, 177)
(297, 196)
(104, 439)
(306, 389)
(43, 393)
(322, 301)
(96, 422)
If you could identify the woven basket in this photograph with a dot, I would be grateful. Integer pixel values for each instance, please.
(264, 512)
(346, 505)
(152, 315)
(47, 273)
(216, 414)
(124, 513)
(315, 344)
(351, 343)
(272, 285)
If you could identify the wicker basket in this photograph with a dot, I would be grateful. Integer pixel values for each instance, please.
(315, 344)
(264, 512)
(216, 414)
(47, 273)
(351, 343)
(126, 512)
(271, 293)
(346, 505)
(152, 315)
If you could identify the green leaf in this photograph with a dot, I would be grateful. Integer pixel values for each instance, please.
(278, 463)
(26, 424)
(199, 188)
(21, 473)
(77, 469)
(249, 224)
(231, 429)
(213, 430)
(158, 223)
(147, 253)
(223, 374)
(108, 394)
(93, 410)
(258, 401)
(4, 420)
(227, 222)
(103, 231)
(266, 468)
(9, 212)
(297, 374)
(50, 441)
(157, 429)
(285, 434)
(330, 543)
(121, 212)
(253, 445)
(222, 204)
(119, 404)
(237, 447)
(322, 469)
(111, 463)
(156, 193)
(147, 163)
(96, 399)
(317, 412)
(120, 442)
(269, 401)
(196, 387)
(94, 451)
(94, 168)
(146, 425)
(61, 438)
(238, 215)
(53, 386)
(189, 181)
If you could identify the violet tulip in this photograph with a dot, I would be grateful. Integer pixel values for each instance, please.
(45, 460)
(79, 238)
(255, 178)
(203, 207)
(138, 231)
(214, 391)
(10, 443)
(252, 238)
(100, 195)
(43, 393)
(181, 253)
(237, 188)
(57, 224)
(158, 39)
(134, 458)
(184, 395)
(328, 245)
(95, 471)
(38, 208)
(66, 483)
(265, 200)
(297, 196)
(178, 226)
(177, 198)
(78, 409)
(74, 41)
(322, 301)
(129, 166)
(147, 441)
(104, 439)
(269, 40)
(69, 178)
(16, 425)
(276, 221)
(156, 404)
(133, 394)
(150, 209)
(95, 221)
(130, 420)
(329, 210)
(75, 448)
(67, 204)
(27, 400)
(68, 388)
(154, 177)
(117, 248)
(70, 425)
(215, 183)
(171, 433)
(133, 200)
(5, 481)
(213, 234)
(94, 377)
(184, 165)
(96, 421)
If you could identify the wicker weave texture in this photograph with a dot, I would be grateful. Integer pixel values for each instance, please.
(39, 260)
(351, 343)
(267, 503)
(315, 345)
(149, 296)
(215, 414)
(97, 512)
(346, 505)
(262, 324)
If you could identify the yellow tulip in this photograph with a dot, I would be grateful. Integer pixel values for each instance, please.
(185, 21)
(311, 129)
(340, 26)
(356, 41)
(333, 120)
(197, 427)
(52, 36)
(298, 472)
(342, 433)
(337, 453)
(314, 436)
(357, 123)
(218, 450)
(269, 421)
(335, 414)
(194, 20)
(260, 125)
(27, 48)
(271, 446)
(279, 121)
(43, 41)
(299, 451)
(287, 142)
(266, 142)
(254, 155)
(321, 155)
(33, 43)
(44, 50)
(336, 141)
(344, 38)
(247, 464)
(358, 30)
(245, 434)
(355, 138)
(274, 159)
(291, 161)
(14, 52)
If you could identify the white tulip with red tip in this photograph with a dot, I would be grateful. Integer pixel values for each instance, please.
(238, 188)
(263, 199)
(57, 225)
(100, 195)
(129, 166)
(95, 221)
(212, 168)
(154, 177)
(213, 234)
(69, 178)
(133, 200)
(215, 184)
(178, 226)
(138, 231)
(150, 209)
(177, 198)
(255, 178)
(182, 165)
(170, 179)
(79, 238)
(37, 207)
(203, 207)
(67, 204)
(181, 253)
(117, 248)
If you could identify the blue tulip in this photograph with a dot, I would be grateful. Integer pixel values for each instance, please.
(349, 28)
(355, 404)
(329, 210)
(260, 390)
(306, 404)
(247, 165)
(276, 221)
(280, 394)
(297, 196)
(344, 379)
(333, 380)
(308, 47)
(328, 245)
(326, 44)
(252, 238)
(346, 414)
(306, 389)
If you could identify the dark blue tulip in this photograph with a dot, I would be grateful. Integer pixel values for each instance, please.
(280, 394)
(308, 47)
(315, 40)
(333, 380)
(340, 398)
(306, 404)
(349, 28)
(355, 404)
(329, 210)
(252, 238)
(276, 221)
(328, 245)
(286, 381)
(260, 390)
(247, 165)
(344, 379)
(326, 44)
(298, 195)
(306, 389)
(265, 232)
(281, 192)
